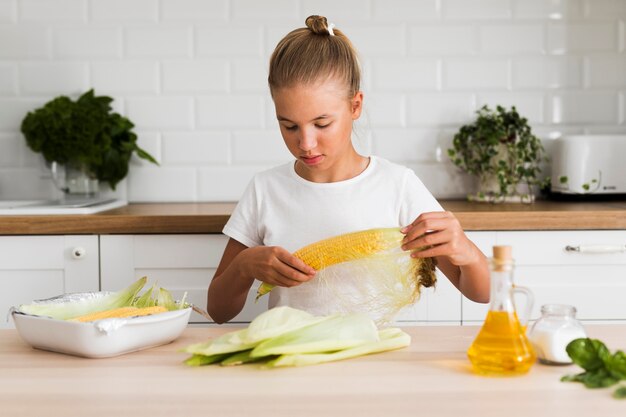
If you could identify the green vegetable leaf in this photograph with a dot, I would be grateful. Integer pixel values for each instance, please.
(589, 354)
(620, 393)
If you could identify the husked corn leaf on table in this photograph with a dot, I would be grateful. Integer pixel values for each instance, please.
(430, 377)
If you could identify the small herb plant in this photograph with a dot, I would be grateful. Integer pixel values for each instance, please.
(84, 134)
(499, 148)
(602, 369)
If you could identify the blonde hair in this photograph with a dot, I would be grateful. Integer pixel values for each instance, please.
(315, 53)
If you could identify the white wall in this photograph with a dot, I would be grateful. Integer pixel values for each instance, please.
(191, 74)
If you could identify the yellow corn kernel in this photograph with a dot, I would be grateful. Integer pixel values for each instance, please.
(120, 313)
(344, 248)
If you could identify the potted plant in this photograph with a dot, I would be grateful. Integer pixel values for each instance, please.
(84, 136)
(500, 149)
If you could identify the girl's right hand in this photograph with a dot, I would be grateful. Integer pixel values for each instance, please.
(277, 266)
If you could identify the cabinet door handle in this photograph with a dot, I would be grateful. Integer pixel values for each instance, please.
(596, 248)
(79, 252)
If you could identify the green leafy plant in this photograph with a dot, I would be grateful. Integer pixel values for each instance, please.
(602, 369)
(500, 148)
(84, 134)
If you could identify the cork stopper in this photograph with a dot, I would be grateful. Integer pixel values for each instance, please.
(503, 253)
(502, 258)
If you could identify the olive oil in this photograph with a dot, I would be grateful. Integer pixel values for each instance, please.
(501, 347)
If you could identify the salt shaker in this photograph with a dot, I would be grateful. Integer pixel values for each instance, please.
(551, 334)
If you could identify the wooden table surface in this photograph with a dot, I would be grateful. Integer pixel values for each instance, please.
(210, 218)
(432, 377)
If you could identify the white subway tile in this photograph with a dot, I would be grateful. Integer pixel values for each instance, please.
(528, 105)
(605, 71)
(512, 39)
(273, 34)
(585, 107)
(25, 41)
(8, 11)
(439, 109)
(582, 37)
(151, 143)
(230, 41)
(405, 74)
(605, 130)
(8, 80)
(125, 76)
(605, 9)
(443, 39)
(378, 40)
(212, 187)
(475, 74)
(87, 42)
(10, 145)
(124, 10)
(160, 112)
(250, 75)
(384, 110)
(405, 144)
(53, 78)
(159, 41)
(548, 9)
(259, 146)
(199, 148)
(57, 10)
(219, 111)
(265, 10)
(13, 111)
(361, 139)
(476, 9)
(151, 184)
(30, 159)
(336, 12)
(404, 10)
(444, 180)
(547, 72)
(199, 76)
(31, 185)
(194, 10)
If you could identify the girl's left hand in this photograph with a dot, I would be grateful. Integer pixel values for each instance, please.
(441, 234)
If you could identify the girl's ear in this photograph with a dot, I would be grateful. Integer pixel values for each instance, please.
(357, 105)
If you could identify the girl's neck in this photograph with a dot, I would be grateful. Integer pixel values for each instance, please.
(352, 166)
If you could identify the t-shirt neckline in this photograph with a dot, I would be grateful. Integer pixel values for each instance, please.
(366, 172)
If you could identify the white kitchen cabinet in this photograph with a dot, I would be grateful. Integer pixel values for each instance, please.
(37, 267)
(180, 263)
(595, 283)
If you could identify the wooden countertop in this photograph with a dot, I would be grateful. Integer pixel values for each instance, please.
(430, 377)
(211, 217)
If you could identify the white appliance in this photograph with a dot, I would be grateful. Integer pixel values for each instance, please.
(589, 165)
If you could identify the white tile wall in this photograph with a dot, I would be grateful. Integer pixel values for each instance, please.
(192, 74)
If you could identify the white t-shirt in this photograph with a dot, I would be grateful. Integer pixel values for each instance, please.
(280, 208)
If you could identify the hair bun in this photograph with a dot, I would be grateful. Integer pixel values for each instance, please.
(317, 24)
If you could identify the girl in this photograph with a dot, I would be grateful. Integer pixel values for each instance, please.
(330, 189)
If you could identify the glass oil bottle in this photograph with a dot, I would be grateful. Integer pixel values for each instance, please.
(501, 347)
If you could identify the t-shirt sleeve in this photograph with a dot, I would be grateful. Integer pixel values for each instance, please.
(416, 199)
(242, 224)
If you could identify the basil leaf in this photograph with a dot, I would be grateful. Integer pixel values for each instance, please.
(589, 354)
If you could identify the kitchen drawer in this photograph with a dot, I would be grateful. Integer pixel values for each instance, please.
(548, 248)
(37, 267)
(180, 263)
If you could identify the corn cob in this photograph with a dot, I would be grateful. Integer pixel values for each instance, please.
(344, 248)
(120, 313)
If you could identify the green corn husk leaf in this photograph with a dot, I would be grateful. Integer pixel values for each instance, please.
(277, 321)
(145, 300)
(335, 333)
(390, 339)
(201, 360)
(241, 358)
(227, 343)
(71, 309)
(165, 299)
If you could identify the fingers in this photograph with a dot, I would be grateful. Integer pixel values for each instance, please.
(286, 270)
